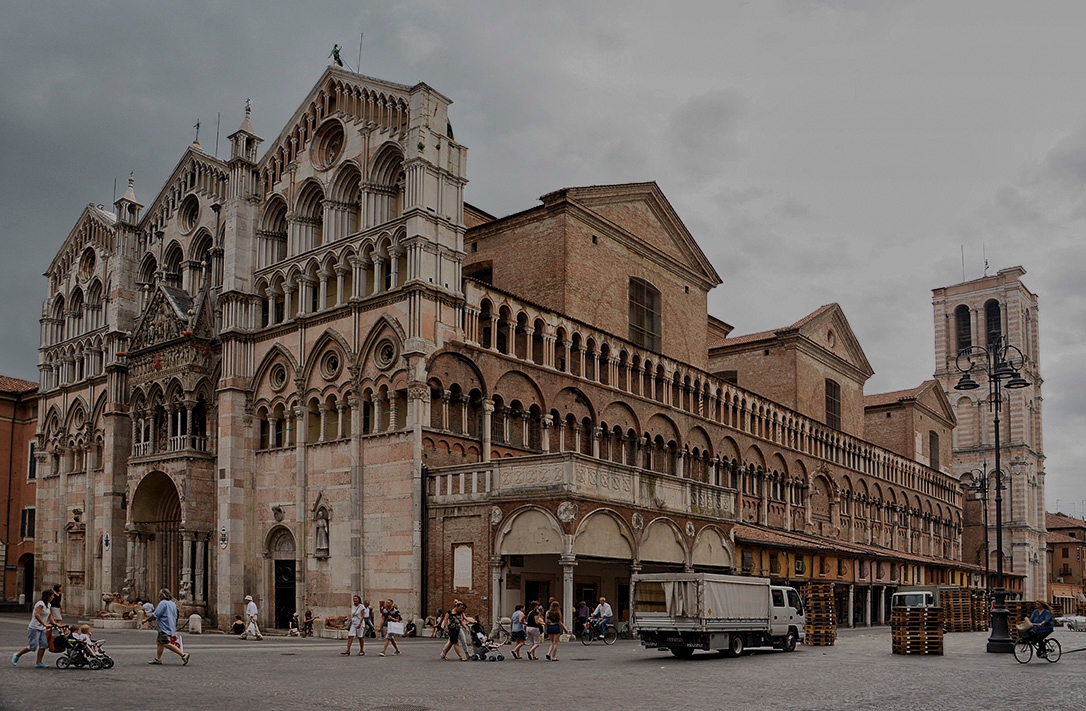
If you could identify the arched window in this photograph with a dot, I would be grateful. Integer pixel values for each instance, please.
(993, 321)
(964, 327)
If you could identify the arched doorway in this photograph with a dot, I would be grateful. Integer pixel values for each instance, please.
(25, 580)
(154, 536)
(284, 575)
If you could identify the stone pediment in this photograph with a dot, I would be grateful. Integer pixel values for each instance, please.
(95, 226)
(170, 315)
(640, 216)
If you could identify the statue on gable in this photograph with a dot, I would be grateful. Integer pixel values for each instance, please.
(335, 56)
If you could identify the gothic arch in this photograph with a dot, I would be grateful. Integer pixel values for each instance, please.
(326, 339)
(452, 368)
(620, 414)
(514, 385)
(384, 323)
(277, 350)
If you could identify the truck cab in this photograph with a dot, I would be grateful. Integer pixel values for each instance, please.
(913, 598)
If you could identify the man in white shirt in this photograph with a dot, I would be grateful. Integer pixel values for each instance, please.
(250, 614)
(602, 614)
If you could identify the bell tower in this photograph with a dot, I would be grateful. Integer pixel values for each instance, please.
(975, 313)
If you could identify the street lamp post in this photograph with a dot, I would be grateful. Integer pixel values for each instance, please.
(1000, 362)
(981, 477)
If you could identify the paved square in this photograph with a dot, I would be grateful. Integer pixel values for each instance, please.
(286, 673)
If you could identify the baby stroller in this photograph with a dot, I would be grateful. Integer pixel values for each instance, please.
(78, 654)
(483, 648)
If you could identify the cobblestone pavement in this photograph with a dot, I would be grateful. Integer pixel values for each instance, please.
(226, 674)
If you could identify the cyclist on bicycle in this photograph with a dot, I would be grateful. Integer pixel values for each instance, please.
(1041, 617)
(601, 616)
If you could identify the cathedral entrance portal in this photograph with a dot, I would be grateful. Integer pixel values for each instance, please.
(154, 537)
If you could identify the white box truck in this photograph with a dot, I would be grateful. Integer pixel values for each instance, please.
(684, 612)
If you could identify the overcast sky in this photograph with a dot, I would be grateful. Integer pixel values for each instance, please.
(818, 151)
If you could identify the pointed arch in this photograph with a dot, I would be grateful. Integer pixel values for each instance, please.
(604, 534)
(530, 530)
(663, 542)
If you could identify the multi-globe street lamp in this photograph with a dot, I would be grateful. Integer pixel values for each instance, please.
(1001, 363)
(981, 478)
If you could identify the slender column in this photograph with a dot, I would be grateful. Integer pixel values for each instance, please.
(322, 296)
(488, 411)
(446, 396)
(342, 410)
(186, 566)
(378, 273)
(568, 563)
(288, 305)
(495, 590)
(597, 433)
(324, 419)
(545, 426)
(341, 273)
(201, 566)
(882, 606)
(393, 416)
(851, 603)
(130, 562)
(867, 605)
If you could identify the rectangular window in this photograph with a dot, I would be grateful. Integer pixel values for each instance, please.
(1066, 552)
(800, 567)
(774, 564)
(462, 566)
(32, 464)
(748, 561)
(833, 404)
(26, 525)
(933, 449)
(644, 315)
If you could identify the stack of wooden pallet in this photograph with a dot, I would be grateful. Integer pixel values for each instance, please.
(981, 606)
(917, 630)
(957, 607)
(1018, 610)
(820, 629)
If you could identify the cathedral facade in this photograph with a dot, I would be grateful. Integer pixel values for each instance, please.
(312, 371)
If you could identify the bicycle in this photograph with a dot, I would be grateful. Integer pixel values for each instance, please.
(1023, 650)
(590, 635)
(499, 634)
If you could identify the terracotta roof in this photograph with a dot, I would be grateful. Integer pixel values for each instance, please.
(16, 385)
(753, 533)
(766, 335)
(1062, 538)
(1058, 520)
(880, 399)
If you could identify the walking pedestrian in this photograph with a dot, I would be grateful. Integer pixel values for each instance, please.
(165, 615)
(583, 611)
(390, 617)
(367, 620)
(36, 639)
(357, 628)
(555, 628)
(56, 612)
(250, 614)
(533, 628)
(518, 634)
(452, 622)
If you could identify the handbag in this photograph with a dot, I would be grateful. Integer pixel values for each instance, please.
(395, 628)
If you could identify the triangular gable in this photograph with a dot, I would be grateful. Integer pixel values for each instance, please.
(192, 160)
(817, 328)
(640, 216)
(342, 83)
(171, 314)
(933, 397)
(94, 226)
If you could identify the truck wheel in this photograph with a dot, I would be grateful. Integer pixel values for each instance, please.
(682, 652)
(789, 644)
(735, 646)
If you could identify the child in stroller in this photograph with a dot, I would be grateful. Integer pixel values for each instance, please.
(483, 648)
(79, 650)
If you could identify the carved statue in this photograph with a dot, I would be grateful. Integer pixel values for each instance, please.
(335, 56)
(322, 533)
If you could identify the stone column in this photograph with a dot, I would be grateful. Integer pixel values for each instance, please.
(339, 429)
(867, 605)
(288, 305)
(568, 563)
(324, 419)
(322, 294)
(378, 274)
(201, 566)
(851, 603)
(446, 397)
(545, 425)
(597, 433)
(186, 592)
(130, 563)
(488, 410)
(495, 590)
(882, 605)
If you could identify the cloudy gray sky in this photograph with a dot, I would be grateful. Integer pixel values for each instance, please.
(834, 150)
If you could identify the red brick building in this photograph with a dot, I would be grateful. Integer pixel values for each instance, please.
(18, 423)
